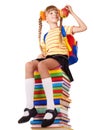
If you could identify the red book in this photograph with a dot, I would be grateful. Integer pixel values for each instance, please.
(42, 91)
(54, 91)
(54, 79)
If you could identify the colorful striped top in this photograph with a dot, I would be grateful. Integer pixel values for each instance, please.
(52, 43)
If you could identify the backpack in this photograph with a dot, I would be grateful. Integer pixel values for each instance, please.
(71, 44)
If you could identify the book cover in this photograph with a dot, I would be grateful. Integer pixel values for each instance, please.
(59, 128)
(53, 73)
(60, 115)
(52, 127)
(58, 86)
(37, 96)
(59, 109)
(57, 101)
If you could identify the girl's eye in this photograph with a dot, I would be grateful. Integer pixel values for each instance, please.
(56, 12)
(51, 12)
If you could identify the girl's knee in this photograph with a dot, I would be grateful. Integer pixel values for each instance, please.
(41, 65)
(28, 64)
(29, 70)
(31, 65)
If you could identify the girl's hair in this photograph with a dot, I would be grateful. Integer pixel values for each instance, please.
(49, 8)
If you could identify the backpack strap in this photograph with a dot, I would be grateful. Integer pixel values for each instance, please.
(63, 31)
(65, 38)
(44, 38)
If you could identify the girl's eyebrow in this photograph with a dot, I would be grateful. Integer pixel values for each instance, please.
(52, 10)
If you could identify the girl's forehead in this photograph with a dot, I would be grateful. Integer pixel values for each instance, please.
(52, 9)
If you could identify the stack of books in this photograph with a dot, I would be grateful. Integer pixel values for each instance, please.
(61, 87)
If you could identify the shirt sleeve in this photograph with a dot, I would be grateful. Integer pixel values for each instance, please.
(69, 29)
(43, 47)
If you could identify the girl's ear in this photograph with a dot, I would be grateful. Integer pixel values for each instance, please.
(42, 15)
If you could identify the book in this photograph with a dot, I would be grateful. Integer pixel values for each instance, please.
(56, 121)
(54, 79)
(61, 118)
(53, 73)
(57, 101)
(56, 106)
(61, 87)
(65, 103)
(59, 109)
(57, 88)
(42, 91)
(59, 128)
(52, 127)
(37, 96)
(62, 96)
(41, 115)
(55, 85)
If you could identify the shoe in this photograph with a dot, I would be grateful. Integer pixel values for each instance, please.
(32, 113)
(47, 122)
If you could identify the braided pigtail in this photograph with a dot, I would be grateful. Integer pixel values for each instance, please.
(39, 32)
(40, 29)
(60, 30)
(61, 22)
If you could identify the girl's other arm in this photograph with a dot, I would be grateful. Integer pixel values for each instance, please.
(81, 25)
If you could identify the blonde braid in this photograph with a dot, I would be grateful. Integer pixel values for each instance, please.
(60, 30)
(61, 22)
(40, 29)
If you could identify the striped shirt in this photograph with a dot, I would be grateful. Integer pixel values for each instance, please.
(52, 43)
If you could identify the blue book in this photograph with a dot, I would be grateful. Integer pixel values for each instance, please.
(55, 85)
(44, 102)
(40, 121)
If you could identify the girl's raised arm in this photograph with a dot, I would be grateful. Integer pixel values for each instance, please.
(81, 25)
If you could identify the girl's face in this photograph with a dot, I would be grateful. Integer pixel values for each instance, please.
(52, 16)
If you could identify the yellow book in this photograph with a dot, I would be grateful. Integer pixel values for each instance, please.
(56, 106)
(52, 128)
(59, 97)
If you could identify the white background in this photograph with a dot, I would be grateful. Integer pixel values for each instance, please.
(19, 44)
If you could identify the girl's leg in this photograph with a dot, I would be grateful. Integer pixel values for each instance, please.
(45, 65)
(43, 68)
(30, 82)
(29, 87)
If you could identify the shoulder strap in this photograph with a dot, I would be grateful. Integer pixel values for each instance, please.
(65, 38)
(63, 31)
(44, 38)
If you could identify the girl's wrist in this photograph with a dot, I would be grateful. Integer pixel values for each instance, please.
(72, 13)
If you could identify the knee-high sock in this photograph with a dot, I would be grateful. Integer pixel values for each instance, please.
(29, 88)
(48, 88)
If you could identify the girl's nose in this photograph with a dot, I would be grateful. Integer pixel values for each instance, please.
(55, 13)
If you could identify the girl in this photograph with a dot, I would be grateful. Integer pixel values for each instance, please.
(54, 53)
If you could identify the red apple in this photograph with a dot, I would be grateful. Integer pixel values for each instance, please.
(64, 12)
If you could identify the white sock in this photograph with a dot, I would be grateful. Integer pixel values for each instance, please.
(29, 88)
(48, 88)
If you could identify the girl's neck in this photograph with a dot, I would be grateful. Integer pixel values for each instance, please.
(52, 26)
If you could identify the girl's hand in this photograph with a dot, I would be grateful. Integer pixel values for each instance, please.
(69, 8)
(41, 56)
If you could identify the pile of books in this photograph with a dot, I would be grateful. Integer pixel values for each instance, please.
(61, 87)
